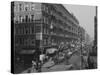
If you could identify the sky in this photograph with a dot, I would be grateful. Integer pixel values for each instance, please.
(85, 15)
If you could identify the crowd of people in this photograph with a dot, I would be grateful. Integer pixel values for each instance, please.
(58, 53)
(63, 51)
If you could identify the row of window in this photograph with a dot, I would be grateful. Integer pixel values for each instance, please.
(38, 28)
(45, 30)
(46, 8)
(47, 41)
(62, 33)
(31, 30)
(21, 19)
(24, 41)
(46, 18)
(64, 25)
(30, 18)
(31, 41)
(25, 30)
(24, 7)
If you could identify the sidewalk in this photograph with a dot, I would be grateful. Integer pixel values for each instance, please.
(44, 67)
(60, 67)
(49, 67)
(48, 64)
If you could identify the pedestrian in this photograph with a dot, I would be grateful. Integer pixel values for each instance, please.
(33, 65)
(36, 56)
(90, 62)
(42, 57)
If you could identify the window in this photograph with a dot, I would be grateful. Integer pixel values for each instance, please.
(20, 41)
(44, 20)
(22, 30)
(20, 7)
(38, 29)
(21, 19)
(29, 19)
(15, 7)
(25, 41)
(14, 19)
(43, 7)
(32, 6)
(26, 8)
(26, 31)
(32, 30)
(29, 30)
(17, 41)
(32, 41)
(32, 18)
(26, 18)
(47, 31)
(19, 30)
(17, 20)
(44, 42)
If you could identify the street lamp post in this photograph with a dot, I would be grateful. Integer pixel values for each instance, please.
(81, 55)
(51, 29)
(38, 49)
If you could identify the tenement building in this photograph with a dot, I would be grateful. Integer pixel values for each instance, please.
(49, 23)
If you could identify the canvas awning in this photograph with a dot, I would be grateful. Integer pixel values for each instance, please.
(51, 50)
(27, 51)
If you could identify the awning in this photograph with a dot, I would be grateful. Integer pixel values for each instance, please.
(27, 51)
(51, 50)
